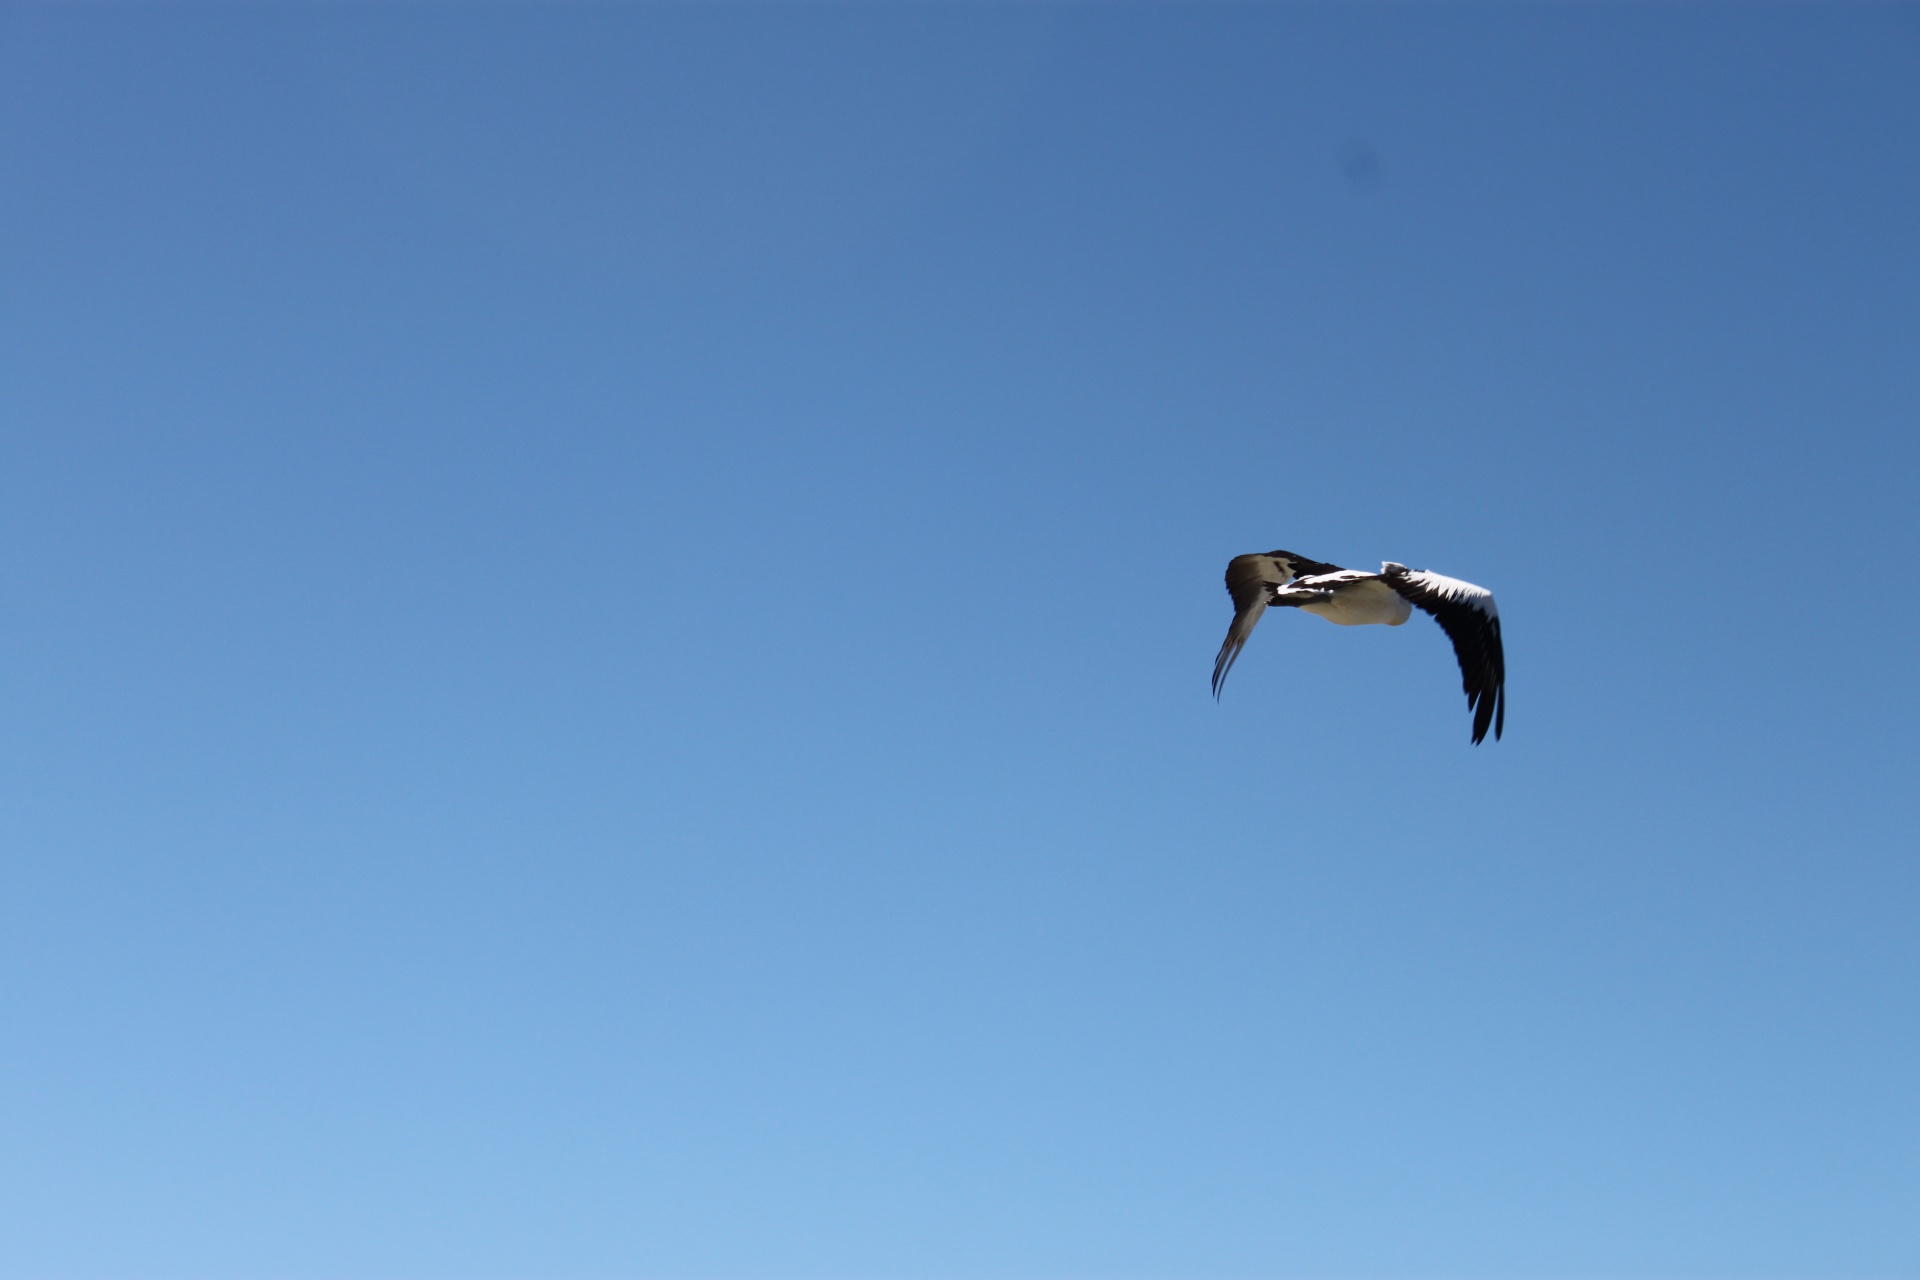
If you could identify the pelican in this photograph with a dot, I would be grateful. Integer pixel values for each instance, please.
(1354, 597)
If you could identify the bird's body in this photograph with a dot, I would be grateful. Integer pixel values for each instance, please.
(1349, 598)
(1355, 598)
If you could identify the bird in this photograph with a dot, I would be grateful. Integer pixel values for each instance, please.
(1354, 597)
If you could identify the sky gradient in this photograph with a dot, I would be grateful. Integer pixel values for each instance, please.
(605, 617)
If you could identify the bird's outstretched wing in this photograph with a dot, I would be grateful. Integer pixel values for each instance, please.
(1250, 579)
(1471, 620)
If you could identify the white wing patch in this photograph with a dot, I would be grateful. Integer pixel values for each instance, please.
(1453, 590)
(1333, 579)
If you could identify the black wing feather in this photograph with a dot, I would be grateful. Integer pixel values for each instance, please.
(1250, 580)
(1473, 624)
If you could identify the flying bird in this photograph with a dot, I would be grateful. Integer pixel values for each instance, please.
(1353, 597)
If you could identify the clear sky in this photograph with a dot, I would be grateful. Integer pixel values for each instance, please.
(605, 617)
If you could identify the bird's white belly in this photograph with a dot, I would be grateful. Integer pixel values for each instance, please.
(1361, 604)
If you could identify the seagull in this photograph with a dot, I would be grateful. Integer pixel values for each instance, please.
(1354, 597)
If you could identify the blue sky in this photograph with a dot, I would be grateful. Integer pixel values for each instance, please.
(607, 612)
